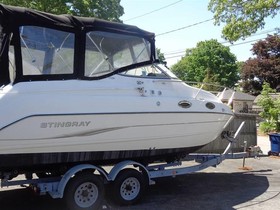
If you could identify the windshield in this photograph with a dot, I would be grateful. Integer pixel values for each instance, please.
(166, 71)
(158, 71)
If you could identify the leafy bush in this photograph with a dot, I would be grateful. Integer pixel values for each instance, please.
(267, 127)
(271, 110)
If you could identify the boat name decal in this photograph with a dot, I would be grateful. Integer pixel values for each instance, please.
(65, 124)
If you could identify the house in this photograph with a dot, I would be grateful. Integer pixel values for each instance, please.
(257, 107)
(240, 102)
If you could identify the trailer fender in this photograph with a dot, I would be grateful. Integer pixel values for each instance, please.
(70, 173)
(118, 167)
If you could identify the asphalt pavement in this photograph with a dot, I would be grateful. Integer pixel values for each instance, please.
(227, 186)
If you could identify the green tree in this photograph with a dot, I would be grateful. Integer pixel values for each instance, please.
(242, 18)
(161, 56)
(208, 62)
(104, 9)
(239, 66)
(271, 110)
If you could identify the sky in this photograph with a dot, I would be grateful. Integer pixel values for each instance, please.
(161, 16)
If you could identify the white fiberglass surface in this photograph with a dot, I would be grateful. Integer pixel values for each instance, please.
(112, 132)
(116, 94)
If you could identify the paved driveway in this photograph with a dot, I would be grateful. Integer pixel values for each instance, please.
(224, 187)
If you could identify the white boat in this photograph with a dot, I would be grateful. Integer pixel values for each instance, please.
(77, 90)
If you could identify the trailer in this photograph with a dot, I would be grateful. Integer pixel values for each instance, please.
(82, 187)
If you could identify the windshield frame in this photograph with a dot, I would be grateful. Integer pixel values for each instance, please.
(165, 73)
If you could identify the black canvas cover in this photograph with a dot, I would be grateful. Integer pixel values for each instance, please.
(13, 19)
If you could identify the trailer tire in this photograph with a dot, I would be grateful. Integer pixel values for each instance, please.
(85, 191)
(128, 187)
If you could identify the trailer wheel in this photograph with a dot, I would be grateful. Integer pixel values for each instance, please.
(128, 187)
(84, 192)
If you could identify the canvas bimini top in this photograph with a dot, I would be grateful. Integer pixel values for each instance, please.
(40, 46)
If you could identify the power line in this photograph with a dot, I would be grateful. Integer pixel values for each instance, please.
(245, 42)
(256, 34)
(169, 5)
(174, 56)
(175, 52)
(188, 26)
(225, 42)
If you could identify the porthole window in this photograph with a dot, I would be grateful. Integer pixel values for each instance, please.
(210, 105)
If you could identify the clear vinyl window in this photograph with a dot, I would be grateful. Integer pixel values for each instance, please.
(106, 52)
(46, 51)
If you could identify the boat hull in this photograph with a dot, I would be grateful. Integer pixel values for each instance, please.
(48, 140)
(58, 162)
(110, 132)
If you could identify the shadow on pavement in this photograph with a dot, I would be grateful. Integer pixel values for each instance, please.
(193, 191)
(209, 191)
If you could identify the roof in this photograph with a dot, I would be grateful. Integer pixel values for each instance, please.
(272, 95)
(11, 17)
(226, 95)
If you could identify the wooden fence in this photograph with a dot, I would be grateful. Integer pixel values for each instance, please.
(248, 133)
